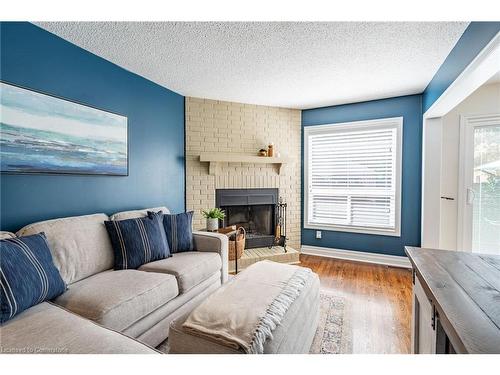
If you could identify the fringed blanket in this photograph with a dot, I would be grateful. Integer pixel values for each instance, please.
(243, 313)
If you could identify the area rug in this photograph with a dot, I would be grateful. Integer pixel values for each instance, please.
(333, 335)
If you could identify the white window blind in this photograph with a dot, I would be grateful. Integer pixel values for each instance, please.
(353, 176)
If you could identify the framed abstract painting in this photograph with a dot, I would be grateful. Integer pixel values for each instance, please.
(41, 133)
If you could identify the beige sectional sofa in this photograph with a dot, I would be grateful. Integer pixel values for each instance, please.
(103, 309)
(49, 329)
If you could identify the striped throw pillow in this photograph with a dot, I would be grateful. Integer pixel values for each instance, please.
(137, 241)
(179, 230)
(28, 275)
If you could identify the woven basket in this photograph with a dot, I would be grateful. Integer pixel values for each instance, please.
(237, 245)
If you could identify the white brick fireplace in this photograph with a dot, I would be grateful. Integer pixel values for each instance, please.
(224, 127)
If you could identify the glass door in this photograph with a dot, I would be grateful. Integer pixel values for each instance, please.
(480, 172)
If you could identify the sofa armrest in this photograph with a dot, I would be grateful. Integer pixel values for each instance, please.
(214, 242)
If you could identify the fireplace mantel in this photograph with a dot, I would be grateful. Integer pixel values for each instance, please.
(214, 159)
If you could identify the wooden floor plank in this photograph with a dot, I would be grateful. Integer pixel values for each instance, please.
(379, 298)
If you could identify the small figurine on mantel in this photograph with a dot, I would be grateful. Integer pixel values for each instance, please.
(270, 150)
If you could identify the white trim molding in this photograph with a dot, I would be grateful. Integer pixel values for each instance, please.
(378, 123)
(465, 175)
(357, 256)
(484, 66)
(431, 183)
(478, 72)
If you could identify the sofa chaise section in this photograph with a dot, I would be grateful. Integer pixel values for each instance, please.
(48, 328)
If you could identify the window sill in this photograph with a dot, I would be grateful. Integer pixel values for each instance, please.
(360, 230)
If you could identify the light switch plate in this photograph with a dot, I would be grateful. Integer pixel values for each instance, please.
(318, 234)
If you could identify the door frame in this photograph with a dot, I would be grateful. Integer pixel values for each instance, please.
(466, 154)
(478, 72)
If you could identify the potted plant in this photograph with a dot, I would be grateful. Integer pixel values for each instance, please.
(213, 216)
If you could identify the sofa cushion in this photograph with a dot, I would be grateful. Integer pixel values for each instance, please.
(137, 213)
(46, 328)
(138, 241)
(179, 231)
(190, 268)
(117, 299)
(80, 245)
(27, 275)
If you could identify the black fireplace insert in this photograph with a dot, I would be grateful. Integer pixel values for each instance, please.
(256, 210)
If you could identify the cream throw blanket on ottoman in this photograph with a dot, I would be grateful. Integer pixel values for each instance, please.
(243, 313)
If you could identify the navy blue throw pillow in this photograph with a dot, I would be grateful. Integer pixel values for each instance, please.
(28, 275)
(179, 230)
(137, 241)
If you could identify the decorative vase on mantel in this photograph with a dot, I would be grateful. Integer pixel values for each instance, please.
(212, 224)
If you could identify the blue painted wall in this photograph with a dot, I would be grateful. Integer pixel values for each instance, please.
(473, 40)
(37, 59)
(410, 108)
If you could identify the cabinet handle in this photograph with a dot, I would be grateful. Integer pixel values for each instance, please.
(433, 318)
(471, 195)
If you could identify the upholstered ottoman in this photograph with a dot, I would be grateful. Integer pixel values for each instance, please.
(293, 333)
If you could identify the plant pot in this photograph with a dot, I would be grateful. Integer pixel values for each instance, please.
(212, 224)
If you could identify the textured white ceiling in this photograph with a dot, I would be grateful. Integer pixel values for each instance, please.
(291, 64)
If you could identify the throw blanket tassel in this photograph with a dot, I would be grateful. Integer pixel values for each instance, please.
(277, 309)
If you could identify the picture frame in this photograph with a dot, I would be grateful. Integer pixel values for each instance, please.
(41, 133)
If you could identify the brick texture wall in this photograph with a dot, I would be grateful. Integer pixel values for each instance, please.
(218, 126)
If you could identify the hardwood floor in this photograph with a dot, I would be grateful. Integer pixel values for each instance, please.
(379, 299)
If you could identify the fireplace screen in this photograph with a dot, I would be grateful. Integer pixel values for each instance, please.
(256, 210)
(256, 219)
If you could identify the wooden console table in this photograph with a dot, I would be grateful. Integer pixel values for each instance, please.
(456, 301)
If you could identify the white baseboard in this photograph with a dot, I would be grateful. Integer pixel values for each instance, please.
(358, 256)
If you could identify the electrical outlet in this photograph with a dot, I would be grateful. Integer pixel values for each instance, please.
(318, 234)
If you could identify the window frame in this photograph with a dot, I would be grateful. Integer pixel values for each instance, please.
(327, 128)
